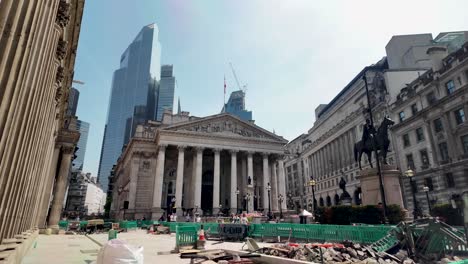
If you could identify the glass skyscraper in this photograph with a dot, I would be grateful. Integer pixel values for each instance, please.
(236, 106)
(133, 96)
(83, 128)
(166, 90)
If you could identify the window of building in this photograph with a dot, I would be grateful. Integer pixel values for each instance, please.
(295, 166)
(464, 140)
(443, 149)
(289, 169)
(459, 80)
(406, 140)
(431, 98)
(449, 181)
(419, 134)
(414, 109)
(424, 157)
(410, 161)
(438, 127)
(450, 86)
(402, 116)
(428, 183)
(459, 116)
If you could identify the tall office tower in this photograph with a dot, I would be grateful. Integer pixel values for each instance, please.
(133, 93)
(165, 91)
(83, 128)
(73, 101)
(236, 106)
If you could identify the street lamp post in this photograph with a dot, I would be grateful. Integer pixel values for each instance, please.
(280, 200)
(269, 201)
(377, 160)
(237, 199)
(312, 184)
(426, 190)
(410, 174)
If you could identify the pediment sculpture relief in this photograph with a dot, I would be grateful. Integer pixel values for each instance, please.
(224, 126)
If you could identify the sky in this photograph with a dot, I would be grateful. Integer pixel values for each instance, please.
(292, 54)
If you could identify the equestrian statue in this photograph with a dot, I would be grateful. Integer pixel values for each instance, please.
(373, 140)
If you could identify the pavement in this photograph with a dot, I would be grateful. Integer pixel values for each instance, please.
(64, 249)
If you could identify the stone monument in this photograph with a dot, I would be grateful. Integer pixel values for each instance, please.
(371, 189)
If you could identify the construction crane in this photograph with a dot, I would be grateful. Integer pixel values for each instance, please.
(78, 82)
(243, 88)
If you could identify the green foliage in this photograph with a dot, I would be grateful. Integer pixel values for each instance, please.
(368, 214)
(447, 214)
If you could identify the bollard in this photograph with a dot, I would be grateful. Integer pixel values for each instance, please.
(112, 234)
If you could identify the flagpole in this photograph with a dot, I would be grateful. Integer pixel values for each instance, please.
(224, 103)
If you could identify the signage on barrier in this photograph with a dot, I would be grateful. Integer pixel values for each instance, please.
(232, 231)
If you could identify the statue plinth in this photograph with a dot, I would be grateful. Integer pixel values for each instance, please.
(370, 185)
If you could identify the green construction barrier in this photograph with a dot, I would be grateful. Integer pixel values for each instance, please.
(186, 236)
(83, 225)
(365, 234)
(63, 225)
(128, 225)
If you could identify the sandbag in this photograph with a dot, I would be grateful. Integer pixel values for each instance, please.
(117, 251)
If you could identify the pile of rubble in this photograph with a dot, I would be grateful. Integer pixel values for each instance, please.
(336, 253)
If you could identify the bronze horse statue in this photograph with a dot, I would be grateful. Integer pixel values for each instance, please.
(381, 143)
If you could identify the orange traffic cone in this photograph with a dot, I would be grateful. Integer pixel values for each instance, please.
(201, 235)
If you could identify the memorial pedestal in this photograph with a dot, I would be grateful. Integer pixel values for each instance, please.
(370, 186)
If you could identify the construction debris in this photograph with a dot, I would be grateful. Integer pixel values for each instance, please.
(337, 253)
(422, 241)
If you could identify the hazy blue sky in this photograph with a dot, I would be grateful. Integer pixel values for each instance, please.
(292, 54)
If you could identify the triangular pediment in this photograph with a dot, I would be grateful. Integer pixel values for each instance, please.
(225, 125)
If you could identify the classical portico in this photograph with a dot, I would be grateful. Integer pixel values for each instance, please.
(206, 165)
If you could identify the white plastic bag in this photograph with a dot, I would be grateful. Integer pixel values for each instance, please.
(117, 251)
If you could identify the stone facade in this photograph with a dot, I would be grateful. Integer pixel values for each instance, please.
(197, 165)
(39, 41)
(326, 152)
(431, 137)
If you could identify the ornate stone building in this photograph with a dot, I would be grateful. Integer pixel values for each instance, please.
(38, 42)
(431, 131)
(202, 165)
(326, 152)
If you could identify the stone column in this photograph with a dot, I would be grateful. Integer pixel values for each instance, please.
(244, 176)
(274, 188)
(282, 182)
(135, 164)
(216, 182)
(158, 181)
(60, 186)
(250, 190)
(180, 179)
(198, 179)
(45, 199)
(266, 181)
(234, 186)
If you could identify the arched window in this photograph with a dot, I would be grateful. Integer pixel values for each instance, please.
(337, 199)
(329, 203)
(322, 203)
